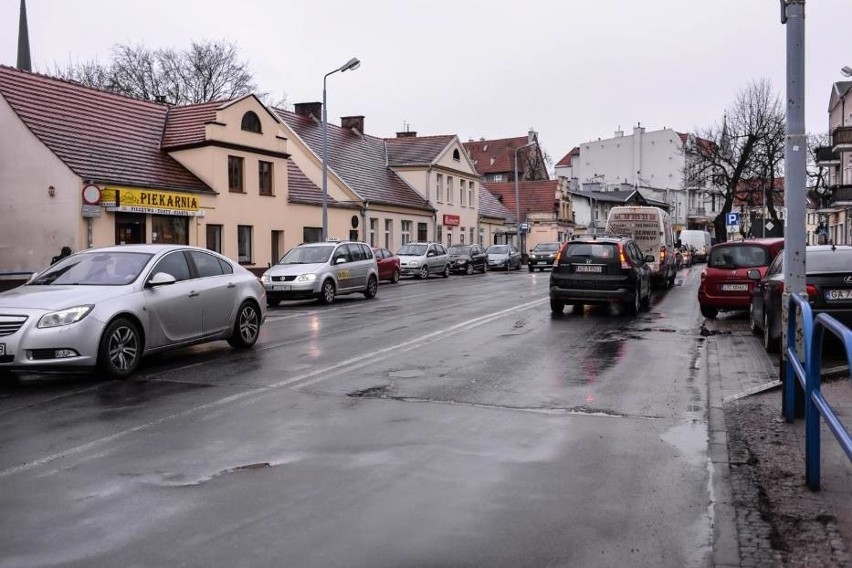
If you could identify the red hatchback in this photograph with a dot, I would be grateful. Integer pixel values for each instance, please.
(725, 284)
(388, 264)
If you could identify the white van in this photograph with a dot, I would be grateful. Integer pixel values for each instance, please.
(700, 240)
(651, 228)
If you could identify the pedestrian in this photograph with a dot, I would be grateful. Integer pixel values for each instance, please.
(66, 251)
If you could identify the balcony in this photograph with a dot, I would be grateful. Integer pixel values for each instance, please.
(841, 139)
(825, 156)
(842, 195)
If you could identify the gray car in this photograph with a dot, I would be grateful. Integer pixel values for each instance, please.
(422, 259)
(105, 308)
(324, 271)
(503, 257)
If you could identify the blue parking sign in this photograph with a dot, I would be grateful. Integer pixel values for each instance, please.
(732, 219)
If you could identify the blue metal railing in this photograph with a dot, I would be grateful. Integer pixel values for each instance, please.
(808, 374)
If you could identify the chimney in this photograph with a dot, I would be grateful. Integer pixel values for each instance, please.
(407, 134)
(310, 110)
(352, 123)
(531, 136)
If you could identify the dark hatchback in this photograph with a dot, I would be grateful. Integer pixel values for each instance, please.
(828, 282)
(468, 259)
(543, 255)
(601, 271)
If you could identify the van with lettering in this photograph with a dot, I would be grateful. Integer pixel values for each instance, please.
(651, 228)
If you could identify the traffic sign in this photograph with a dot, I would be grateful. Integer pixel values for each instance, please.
(732, 219)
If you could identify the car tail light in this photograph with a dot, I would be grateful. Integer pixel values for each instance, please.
(663, 254)
(625, 263)
(558, 255)
(813, 294)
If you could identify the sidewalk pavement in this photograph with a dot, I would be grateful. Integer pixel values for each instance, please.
(765, 515)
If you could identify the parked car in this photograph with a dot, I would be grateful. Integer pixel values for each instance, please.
(468, 258)
(324, 271)
(725, 284)
(422, 259)
(388, 264)
(505, 257)
(828, 282)
(105, 308)
(543, 255)
(601, 271)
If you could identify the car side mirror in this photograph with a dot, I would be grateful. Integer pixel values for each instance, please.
(340, 260)
(161, 279)
(430, 253)
(649, 258)
(753, 274)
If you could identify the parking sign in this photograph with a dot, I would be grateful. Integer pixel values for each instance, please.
(732, 219)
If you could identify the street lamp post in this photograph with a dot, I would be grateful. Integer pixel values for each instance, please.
(517, 197)
(353, 64)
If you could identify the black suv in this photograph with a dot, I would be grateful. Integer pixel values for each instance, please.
(543, 255)
(599, 269)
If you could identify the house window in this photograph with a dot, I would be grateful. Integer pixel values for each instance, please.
(374, 228)
(449, 236)
(422, 234)
(456, 155)
(497, 178)
(235, 174)
(439, 233)
(472, 233)
(439, 194)
(388, 232)
(406, 232)
(461, 192)
(214, 238)
(450, 190)
(250, 122)
(244, 244)
(461, 235)
(264, 177)
(311, 234)
(481, 236)
(470, 200)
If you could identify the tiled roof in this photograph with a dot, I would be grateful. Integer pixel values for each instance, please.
(416, 150)
(502, 151)
(535, 196)
(301, 189)
(359, 160)
(185, 125)
(103, 137)
(489, 206)
(606, 196)
(752, 189)
(566, 160)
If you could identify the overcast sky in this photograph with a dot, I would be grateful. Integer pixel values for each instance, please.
(575, 70)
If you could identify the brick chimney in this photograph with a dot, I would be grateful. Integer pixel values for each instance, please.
(352, 123)
(406, 134)
(310, 110)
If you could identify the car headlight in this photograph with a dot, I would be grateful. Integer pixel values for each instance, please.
(306, 277)
(413, 262)
(64, 317)
(266, 279)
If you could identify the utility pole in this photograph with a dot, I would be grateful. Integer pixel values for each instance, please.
(793, 16)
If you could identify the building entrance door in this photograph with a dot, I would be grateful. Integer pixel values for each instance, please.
(129, 228)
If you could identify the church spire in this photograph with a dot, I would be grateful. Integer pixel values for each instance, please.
(24, 40)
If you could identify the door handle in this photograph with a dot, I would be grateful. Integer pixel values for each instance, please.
(231, 285)
(193, 294)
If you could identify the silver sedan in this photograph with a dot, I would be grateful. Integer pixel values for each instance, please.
(105, 308)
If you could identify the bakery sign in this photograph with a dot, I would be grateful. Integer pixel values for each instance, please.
(451, 220)
(135, 200)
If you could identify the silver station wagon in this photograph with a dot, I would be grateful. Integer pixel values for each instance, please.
(322, 270)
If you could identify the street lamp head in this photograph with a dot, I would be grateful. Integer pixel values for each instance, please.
(352, 64)
(846, 70)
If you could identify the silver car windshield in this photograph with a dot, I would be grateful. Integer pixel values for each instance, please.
(498, 249)
(307, 255)
(412, 250)
(94, 269)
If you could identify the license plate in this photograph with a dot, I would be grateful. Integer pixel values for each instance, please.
(734, 287)
(841, 294)
(281, 287)
(588, 268)
(2, 349)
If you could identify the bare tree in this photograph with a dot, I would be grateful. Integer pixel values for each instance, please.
(817, 181)
(744, 146)
(208, 70)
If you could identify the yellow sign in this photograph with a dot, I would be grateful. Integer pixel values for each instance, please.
(150, 201)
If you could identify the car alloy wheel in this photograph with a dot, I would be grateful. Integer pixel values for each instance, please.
(328, 291)
(469, 269)
(424, 272)
(446, 272)
(120, 349)
(395, 276)
(372, 287)
(769, 343)
(246, 327)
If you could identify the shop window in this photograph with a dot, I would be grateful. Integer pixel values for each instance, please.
(264, 177)
(168, 229)
(214, 238)
(244, 244)
(235, 174)
(250, 122)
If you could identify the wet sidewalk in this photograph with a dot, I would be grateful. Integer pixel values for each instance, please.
(765, 515)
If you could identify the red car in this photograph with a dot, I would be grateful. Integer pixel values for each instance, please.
(725, 284)
(388, 264)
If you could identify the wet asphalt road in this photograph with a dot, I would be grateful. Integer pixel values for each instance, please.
(448, 422)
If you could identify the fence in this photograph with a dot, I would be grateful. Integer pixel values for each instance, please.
(807, 373)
